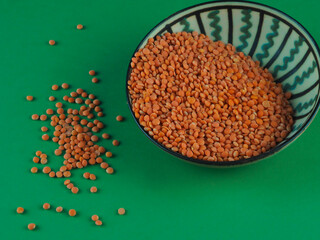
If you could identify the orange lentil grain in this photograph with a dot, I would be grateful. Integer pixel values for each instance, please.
(108, 154)
(79, 26)
(109, 170)
(115, 143)
(98, 222)
(31, 226)
(38, 153)
(95, 217)
(55, 87)
(52, 42)
(105, 135)
(70, 185)
(45, 137)
(119, 118)
(35, 159)
(34, 170)
(104, 165)
(35, 116)
(59, 209)
(44, 129)
(20, 210)
(43, 117)
(121, 211)
(72, 212)
(46, 206)
(29, 98)
(43, 161)
(46, 170)
(65, 85)
(95, 80)
(93, 189)
(92, 177)
(86, 175)
(52, 174)
(92, 72)
(52, 98)
(75, 190)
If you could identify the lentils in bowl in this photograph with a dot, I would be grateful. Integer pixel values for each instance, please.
(277, 41)
(206, 101)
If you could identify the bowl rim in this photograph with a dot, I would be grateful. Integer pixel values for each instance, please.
(243, 161)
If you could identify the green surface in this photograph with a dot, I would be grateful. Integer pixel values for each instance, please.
(165, 198)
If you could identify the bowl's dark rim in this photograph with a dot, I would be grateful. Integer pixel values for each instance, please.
(241, 161)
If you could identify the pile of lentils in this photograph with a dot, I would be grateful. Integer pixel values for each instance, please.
(205, 100)
(75, 131)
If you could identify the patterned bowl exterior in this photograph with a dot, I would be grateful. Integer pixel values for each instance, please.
(268, 35)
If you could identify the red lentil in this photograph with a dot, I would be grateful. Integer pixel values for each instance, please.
(52, 98)
(98, 222)
(20, 210)
(121, 211)
(46, 206)
(52, 42)
(119, 118)
(34, 170)
(31, 226)
(55, 87)
(95, 217)
(59, 209)
(92, 72)
(109, 170)
(200, 98)
(93, 189)
(35, 117)
(115, 143)
(79, 26)
(108, 154)
(35, 159)
(72, 212)
(95, 80)
(65, 85)
(29, 98)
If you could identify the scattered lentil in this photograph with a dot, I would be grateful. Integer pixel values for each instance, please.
(95, 217)
(55, 87)
(109, 170)
(29, 98)
(20, 210)
(31, 226)
(92, 72)
(65, 85)
(98, 222)
(72, 212)
(119, 118)
(121, 211)
(34, 170)
(59, 209)
(115, 143)
(46, 206)
(52, 42)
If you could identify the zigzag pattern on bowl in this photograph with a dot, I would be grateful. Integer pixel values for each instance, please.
(275, 42)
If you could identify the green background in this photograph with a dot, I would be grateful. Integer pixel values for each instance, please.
(165, 198)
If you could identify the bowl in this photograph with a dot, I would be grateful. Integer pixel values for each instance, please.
(268, 35)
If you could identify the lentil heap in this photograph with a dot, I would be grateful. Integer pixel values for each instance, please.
(75, 131)
(205, 100)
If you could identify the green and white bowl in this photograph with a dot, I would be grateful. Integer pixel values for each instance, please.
(279, 42)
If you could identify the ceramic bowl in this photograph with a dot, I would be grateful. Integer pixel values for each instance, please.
(279, 42)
